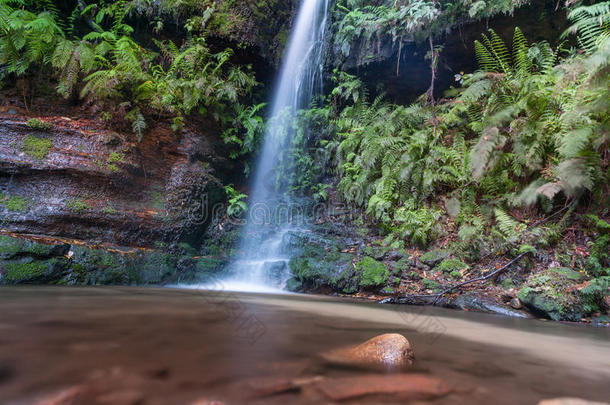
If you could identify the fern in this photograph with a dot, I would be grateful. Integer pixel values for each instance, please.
(591, 24)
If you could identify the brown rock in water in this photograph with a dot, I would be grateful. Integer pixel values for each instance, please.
(390, 351)
(570, 401)
(405, 387)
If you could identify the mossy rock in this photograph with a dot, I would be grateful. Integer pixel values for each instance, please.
(317, 268)
(30, 271)
(12, 247)
(567, 272)
(372, 273)
(433, 257)
(549, 294)
(293, 284)
(376, 252)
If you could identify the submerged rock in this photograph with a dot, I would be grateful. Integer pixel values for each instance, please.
(390, 351)
(405, 387)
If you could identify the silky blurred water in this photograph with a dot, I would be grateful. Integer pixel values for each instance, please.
(172, 346)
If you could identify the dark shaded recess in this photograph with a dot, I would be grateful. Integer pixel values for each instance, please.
(538, 21)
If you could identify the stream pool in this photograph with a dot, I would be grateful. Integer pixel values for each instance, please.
(115, 345)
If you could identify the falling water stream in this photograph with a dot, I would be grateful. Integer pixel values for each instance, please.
(263, 264)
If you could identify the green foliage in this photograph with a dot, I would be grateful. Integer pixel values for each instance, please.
(540, 125)
(237, 204)
(593, 293)
(591, 24)
(528, 128)
(37, 148)
(598, 261)
(362, 29)
(109, 67)
(39, 125)
(27, 39)
(246, 130)
(391, 161)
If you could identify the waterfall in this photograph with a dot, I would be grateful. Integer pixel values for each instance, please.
(263, 263)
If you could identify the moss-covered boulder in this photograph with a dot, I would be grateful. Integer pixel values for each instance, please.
(433, 257)
(371, 273)
(318, 263)
(453, 267)
(552, 294)
(24, 261)
(31, 271)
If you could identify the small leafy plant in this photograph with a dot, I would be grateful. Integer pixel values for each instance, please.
(237, 204)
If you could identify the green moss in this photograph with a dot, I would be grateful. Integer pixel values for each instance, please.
(507, 283)
(387, 290)
(109, 209)
(396, 280)
(431, 284)
(115, 157)
(432, 257)
(36, 147)
(15, 203)
(9, 247)
(451, 266)
(568, 273)
(316, 267)
(39, 125)
(455, 274)
(28, 271)
(157, 200)
(77, 205)
(372, 272)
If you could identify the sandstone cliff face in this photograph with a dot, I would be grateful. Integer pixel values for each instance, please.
(78, 180)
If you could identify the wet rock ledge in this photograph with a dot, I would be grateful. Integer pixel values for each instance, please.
(71, 178)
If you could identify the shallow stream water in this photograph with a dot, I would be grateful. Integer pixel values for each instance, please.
(108, 345)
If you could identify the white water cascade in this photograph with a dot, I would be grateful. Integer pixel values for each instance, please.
(263, 264)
